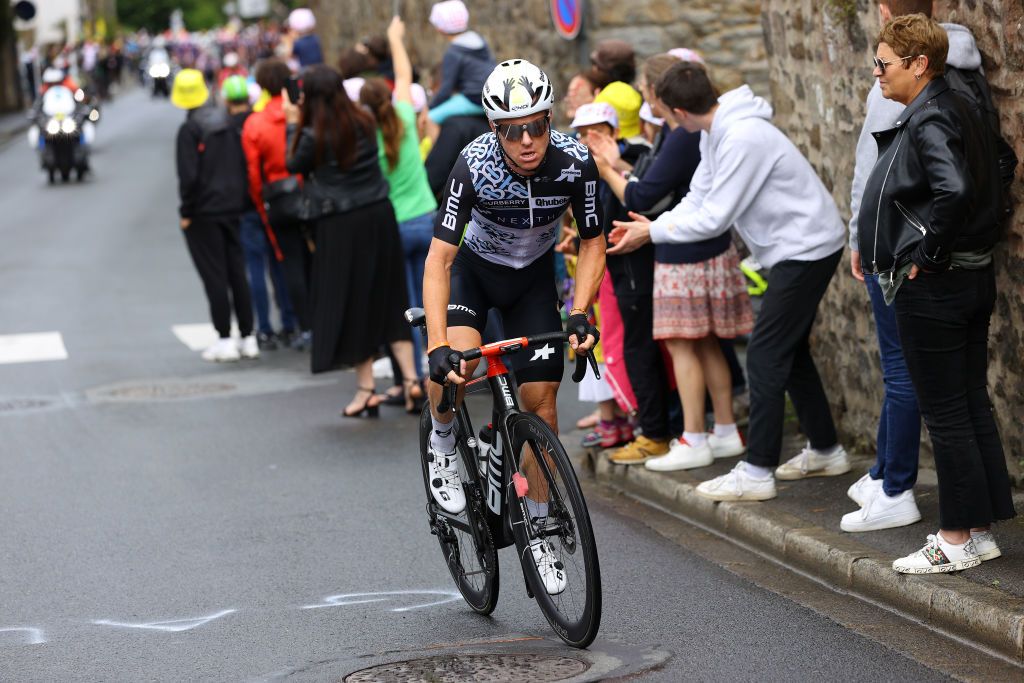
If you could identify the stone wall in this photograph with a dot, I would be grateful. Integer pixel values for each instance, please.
(727, 33)
(819, 53)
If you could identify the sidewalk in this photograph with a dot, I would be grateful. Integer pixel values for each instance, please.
(13, 125)
(801, 528)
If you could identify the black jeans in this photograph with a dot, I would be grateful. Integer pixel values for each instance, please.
(943, 324)
(217, 254)
(779, 360)
(297, 268)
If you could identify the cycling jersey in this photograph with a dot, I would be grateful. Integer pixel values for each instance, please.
(513, 220)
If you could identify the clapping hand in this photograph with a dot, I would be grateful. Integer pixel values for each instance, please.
(629, 236)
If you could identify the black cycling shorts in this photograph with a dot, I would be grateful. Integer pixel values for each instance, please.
(527, 300)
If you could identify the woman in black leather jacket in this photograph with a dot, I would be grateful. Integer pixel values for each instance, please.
(358, 294)
(927, 226)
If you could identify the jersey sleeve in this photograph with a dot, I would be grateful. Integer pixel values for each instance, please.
(586, 206)
(456, 204)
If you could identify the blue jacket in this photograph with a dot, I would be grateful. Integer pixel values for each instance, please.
(466, 65)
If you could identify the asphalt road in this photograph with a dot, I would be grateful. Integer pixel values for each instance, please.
(246, 532)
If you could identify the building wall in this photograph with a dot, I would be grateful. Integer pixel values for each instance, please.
(819, 53)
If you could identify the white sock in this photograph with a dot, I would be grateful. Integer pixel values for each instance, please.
(695, 439)
(442, 436)
(724, 431)
(755, 471)
(535, 509)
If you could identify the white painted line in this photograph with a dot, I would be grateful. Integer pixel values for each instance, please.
(198, 336)
(172, 626)
(363, 598)
(33, 636)
(31, 348)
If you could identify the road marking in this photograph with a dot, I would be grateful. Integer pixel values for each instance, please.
(171, 626)
(33, 636)
(364, 598)
(32, 348)
(198, 336)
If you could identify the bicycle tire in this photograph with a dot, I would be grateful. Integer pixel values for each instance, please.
(482, 597)
(579, 628)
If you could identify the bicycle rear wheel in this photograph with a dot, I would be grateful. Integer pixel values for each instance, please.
(465, 538)
(575, 613)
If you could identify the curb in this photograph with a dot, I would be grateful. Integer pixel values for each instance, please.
(967, 610)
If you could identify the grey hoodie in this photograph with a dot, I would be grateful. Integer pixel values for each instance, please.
(882, 114)
(465, 67)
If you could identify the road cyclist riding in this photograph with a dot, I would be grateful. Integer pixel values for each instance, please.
(498, 220)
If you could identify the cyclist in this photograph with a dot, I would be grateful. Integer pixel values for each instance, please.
(496, 227)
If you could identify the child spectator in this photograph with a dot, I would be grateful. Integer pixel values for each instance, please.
(466, 65)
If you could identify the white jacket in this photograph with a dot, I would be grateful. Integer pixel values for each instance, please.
(751, 176)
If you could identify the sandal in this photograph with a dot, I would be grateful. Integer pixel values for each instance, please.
(413, 396)
(370, 407)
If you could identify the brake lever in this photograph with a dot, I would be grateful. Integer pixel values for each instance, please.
(447, 398)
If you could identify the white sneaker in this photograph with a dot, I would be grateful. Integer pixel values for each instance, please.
(811, 463)
(223, 350)
(552, 571)
(938, 556)
(883, 512)
(681, 456)
(726, 446)
(738, 485)
(445, 484)
(248, 347)
(985, 545)
(862, 490)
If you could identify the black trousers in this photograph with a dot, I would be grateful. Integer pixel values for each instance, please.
(217, 254)
(943, 323)
(779, 360)
(297, 266)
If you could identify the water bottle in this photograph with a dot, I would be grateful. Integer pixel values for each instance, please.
(484, 449)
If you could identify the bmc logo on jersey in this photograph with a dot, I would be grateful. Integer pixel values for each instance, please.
(451, 213)
(570, 174)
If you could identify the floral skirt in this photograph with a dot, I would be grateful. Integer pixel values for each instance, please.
(694, 300)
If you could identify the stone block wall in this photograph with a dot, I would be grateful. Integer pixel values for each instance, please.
(727, 33)
(819, 53)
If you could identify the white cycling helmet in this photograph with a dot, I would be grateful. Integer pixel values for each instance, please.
(516, 88)
(52, 76)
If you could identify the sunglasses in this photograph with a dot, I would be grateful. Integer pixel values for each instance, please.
(513, 132)
(880, 64)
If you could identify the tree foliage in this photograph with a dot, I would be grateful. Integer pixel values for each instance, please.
(155, 15)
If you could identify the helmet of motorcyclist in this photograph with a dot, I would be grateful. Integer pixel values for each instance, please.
(53, 76)
(231, 60)
(235, 89)
(516, 88)
(189, 91)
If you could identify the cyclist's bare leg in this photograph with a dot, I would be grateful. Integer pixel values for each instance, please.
(460, 339)
(540, 398)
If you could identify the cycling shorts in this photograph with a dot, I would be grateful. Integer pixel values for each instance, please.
(527, 300)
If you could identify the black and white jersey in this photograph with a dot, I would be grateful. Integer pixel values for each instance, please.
(513, 220)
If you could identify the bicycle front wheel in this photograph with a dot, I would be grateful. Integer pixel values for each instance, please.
(465, 539)
(556, 516)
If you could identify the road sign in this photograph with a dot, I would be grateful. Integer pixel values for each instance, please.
(567, 16)
(25, 10)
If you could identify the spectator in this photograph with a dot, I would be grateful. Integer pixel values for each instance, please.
(652, 124)
(358, 290)
(211, 186)
(929, 220)
(465, 67)
(751, 176)
(627, 102)
(579, 91)
(235, 92)
(305, 45)
(263, 139)
(612, 61)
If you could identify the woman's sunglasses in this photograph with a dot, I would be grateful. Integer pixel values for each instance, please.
(513, 132)
(880, 64)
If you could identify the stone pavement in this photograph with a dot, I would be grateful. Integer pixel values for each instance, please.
(800, 528)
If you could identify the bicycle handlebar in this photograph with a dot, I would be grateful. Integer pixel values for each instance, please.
(510, 346)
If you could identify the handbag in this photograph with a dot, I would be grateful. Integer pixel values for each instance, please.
(286, 203)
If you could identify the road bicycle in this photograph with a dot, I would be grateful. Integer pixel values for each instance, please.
(494, 478)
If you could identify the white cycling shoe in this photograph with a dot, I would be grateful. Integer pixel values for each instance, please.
(552, 571)
(445, 484)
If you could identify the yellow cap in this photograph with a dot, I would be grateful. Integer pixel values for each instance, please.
(627, 103)
(189, 91)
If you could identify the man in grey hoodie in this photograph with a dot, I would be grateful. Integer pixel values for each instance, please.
(885, 494)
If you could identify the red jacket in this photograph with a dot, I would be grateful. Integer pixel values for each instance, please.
(264, 140)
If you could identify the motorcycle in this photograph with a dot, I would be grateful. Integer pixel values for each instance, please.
(159, 71)
(62, 132)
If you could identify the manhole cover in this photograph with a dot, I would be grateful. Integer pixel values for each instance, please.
(166, 391)
(493, 668)
(18, 405)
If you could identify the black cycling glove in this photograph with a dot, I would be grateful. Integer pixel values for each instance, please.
(579, 325)
(440, 364)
